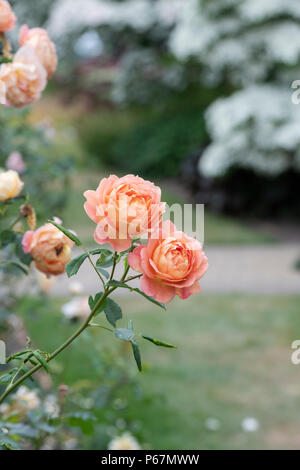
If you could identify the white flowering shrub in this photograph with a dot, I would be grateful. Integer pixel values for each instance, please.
(256, 128)
(255, 47)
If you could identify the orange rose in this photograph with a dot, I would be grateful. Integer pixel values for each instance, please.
(123, 209)
(25, 78)
(172, 263)
(49, 248)
(7, 17)
(39, 40)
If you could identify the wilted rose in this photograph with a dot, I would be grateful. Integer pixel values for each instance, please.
(49, 247)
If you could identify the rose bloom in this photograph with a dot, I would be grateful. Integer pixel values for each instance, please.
(172, 263)
(25, 78)
(123, 209)
(49, 248)
(7, 17)
(10, 185)
(39, 40)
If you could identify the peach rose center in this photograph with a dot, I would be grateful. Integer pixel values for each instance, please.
(172, 258)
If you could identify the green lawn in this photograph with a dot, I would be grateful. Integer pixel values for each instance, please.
(232, 362)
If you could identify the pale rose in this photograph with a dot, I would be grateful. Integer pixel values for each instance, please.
(39, 40)
(25, 78)
(15, 162)
(172, 263)
(10, 185)
(49, 247)
(123, 209)
(7, 17)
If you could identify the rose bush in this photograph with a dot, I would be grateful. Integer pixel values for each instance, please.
(24, 76)
(125, 210)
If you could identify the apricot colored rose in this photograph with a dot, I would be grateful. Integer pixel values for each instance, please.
(7, 17)
(49, 247)
(10, 185)
(123, 209)
(172, 263)
(25, 78)
(39, 40)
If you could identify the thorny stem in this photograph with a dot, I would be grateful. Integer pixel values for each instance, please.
(94, 266)
(60, 349)
(86, 324)
(114, 266)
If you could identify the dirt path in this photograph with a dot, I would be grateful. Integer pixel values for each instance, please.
(250, 269)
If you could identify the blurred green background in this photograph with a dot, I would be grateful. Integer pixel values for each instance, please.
(196, 96)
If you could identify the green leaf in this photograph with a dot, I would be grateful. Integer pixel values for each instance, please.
(41, 360)
(106, 259)
(25, 258)
(139, 291)
(157, 342)
(84, 420)
(19, 266)
(124, 334)
(93, 302)
(137, 355)
(6, 377)
(73, 266)
(69, 234)
(9, 443)
(112, 311)
(103, 272)
(7, 237)
(97, 251)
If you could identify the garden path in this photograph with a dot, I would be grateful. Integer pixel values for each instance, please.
(259, 269)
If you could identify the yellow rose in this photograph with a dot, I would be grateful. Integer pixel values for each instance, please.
(10, 185)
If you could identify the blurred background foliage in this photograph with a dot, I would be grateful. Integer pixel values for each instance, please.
(204, 85)
(194, 94)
